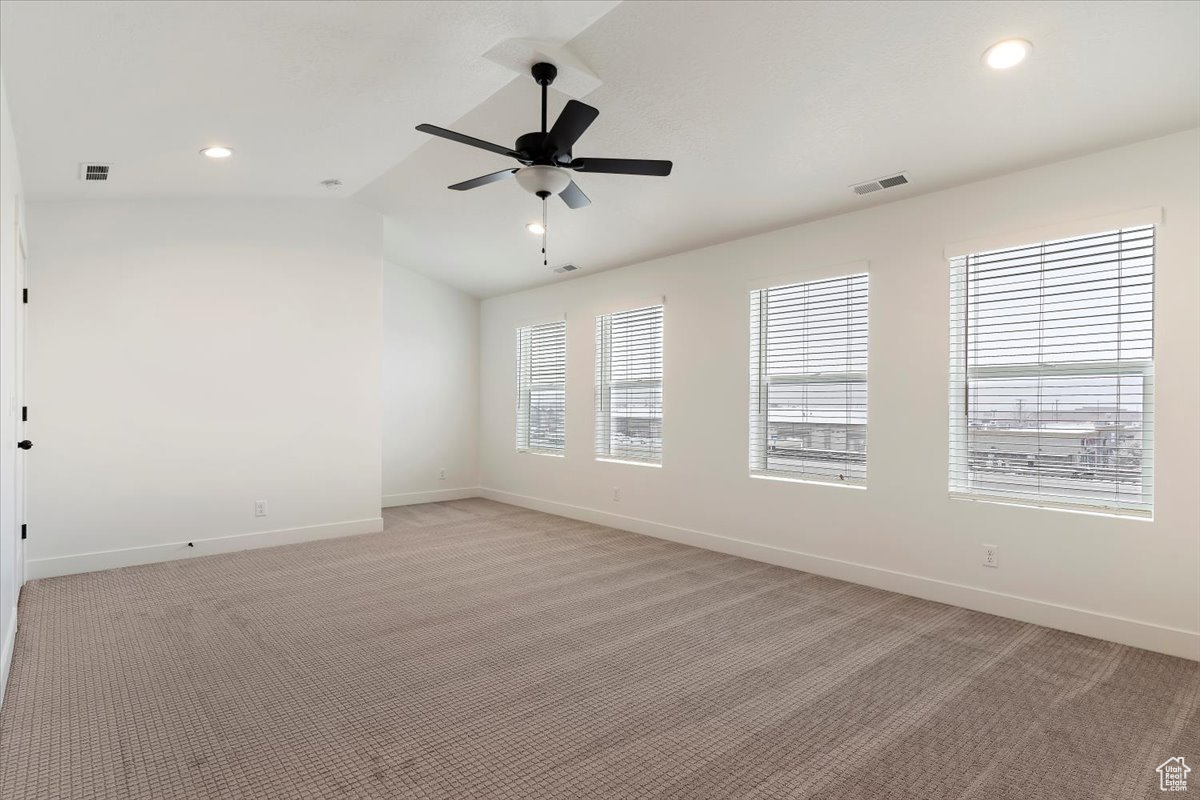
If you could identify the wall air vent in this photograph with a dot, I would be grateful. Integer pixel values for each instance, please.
(94, 172)
(880, 183)
(566, 268)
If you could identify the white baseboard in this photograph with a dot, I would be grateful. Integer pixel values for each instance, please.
(436, 496)
(1172, 641)
(10, 639)
(126, 557)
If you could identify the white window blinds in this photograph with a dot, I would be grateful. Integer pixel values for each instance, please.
(1052, 373)
(629, 371)
(808, 380)
(541, 388)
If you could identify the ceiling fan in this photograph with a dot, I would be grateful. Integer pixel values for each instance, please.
(546, 154)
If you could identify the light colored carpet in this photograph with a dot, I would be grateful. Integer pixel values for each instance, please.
(476, 650)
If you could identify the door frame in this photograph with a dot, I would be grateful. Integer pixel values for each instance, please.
(21, 468)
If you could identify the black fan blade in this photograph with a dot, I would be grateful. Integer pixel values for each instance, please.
(570, 125)
(574, 197)
(483, 180)
(622, 166)
(462, 138)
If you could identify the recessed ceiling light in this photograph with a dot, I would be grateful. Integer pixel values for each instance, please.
(535, 228)
(1007, 53)
(216, 152)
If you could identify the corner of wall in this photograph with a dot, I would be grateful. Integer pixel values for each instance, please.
(431, 393)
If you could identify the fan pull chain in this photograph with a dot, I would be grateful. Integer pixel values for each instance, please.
(545, 234)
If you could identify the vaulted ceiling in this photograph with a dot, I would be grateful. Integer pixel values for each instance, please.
(770, 111)
(303, 90)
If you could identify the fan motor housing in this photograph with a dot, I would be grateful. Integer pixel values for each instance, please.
(533, 149)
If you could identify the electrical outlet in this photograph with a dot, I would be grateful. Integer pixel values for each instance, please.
(260, 508)
(616, 494)
(991, 555)
(442, 474)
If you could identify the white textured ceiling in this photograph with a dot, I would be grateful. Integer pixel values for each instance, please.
(769, 110)
(302, 90)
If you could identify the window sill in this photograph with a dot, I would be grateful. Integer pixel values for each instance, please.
(540, 453)
(655, 465)
(770, 476)
(1074, 508)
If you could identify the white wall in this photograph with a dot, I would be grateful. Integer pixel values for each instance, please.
(187, 358)
(430, 389)
(10, 545)
(1129, 580)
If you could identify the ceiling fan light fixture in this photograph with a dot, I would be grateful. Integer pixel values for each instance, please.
(536, 228)
(548, 154)
(540, 178)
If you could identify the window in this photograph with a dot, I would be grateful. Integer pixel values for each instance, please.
(629, 370)
(541, 388)
(1052, 372)
(808, 380)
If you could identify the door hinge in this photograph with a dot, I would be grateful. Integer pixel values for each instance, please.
(24, 413)
(24, 532)
(24, 295)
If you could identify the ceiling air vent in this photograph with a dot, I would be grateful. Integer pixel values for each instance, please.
(566, 268)
(94, 172)
(880, 183)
